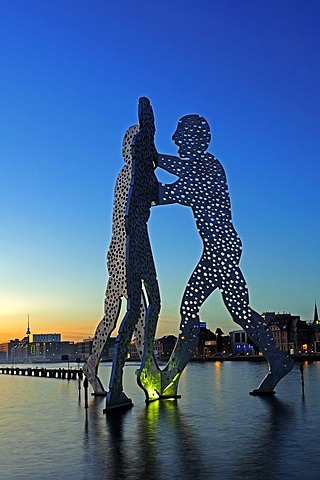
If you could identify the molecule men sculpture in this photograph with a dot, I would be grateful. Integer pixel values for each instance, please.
(202, 186)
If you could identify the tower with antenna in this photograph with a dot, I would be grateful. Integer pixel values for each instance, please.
(28, 332)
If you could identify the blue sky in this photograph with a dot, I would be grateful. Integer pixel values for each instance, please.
(71, 76)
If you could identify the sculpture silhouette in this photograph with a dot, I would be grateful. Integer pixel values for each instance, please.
(140, 268)
(202, 185)
(116, 263)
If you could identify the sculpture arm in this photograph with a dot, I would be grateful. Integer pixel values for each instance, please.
(171, 164)
(170, 193)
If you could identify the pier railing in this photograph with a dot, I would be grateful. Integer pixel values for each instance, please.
(67, 374)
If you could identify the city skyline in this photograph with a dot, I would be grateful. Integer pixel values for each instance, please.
(72, 76)
(31, 334)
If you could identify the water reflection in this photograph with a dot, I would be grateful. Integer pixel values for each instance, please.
(157, 443)
(170, 446)
(194, 437)
(120, 465)
(104, 445)
(217, 376)
(266, 437)
(215, 431)
(160, 442)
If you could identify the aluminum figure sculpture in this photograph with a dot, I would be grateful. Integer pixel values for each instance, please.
(140, 267)
(202, 185)
(116, 263)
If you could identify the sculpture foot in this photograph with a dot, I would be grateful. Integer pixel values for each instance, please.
(262, 393)
(277, 372)
(150, 381)
(158, 384)
(116, 402)
(89, 371)
(169, 383)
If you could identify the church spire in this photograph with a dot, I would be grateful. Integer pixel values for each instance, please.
(315, 317)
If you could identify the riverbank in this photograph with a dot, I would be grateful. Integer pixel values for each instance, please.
(303, 357)
(298, 357)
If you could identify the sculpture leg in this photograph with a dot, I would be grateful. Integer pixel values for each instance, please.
(197, 291)
(149, 375)
(90, 370)
(139, 331)
(102, 334)
(236, 299)
(116, 398)
(279, 363)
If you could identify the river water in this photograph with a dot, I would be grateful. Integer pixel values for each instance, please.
(215, 431)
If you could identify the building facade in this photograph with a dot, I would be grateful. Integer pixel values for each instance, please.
(291, 334)
(241, 344)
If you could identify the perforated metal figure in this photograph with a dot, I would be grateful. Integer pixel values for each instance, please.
(140, 268)
(116, 288)
(202, 185)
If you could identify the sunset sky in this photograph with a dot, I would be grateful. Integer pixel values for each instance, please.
(71, 76)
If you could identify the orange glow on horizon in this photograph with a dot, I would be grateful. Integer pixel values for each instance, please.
(15, 326)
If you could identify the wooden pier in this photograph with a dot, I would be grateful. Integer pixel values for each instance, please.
(63, 373)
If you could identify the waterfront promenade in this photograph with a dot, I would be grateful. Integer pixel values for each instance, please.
(77, 373)
(298, 357)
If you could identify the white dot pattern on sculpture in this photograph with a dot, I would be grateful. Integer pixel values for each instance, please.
(202, 185)
(139, 259)
(116, 263)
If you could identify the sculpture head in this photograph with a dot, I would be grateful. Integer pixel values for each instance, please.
(127, 143)
(145, 114)
(192, 135)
